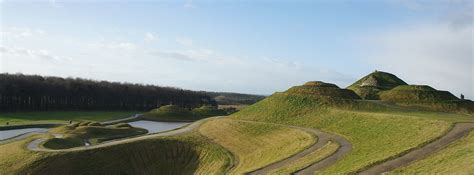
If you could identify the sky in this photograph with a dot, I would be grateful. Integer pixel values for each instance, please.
(257, 47)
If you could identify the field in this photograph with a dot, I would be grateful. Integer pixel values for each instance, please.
(184, 154)
(256, 144)
(16, 118)
(376, 135)
(458, 158)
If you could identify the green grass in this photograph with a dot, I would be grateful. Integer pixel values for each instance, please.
(75, 134)
(323, 89)
(375, 135)
(416, 93)
(458, 158)
(176, 113)
(16, 118)
(308, 160)
(256, 144)
(369, 86)
(186, 154)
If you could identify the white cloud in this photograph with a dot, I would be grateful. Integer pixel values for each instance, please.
(184, 41)
(42, 54)
(149, 37)
(20, 32)
(438, 54)
(114, 45)
(189, 4)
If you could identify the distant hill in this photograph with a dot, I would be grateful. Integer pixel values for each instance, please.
(230, 98)
(319, 88)
(369, 86)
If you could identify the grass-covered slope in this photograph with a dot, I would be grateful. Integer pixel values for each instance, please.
(427, 98)
(189, 154)
(176, 113)
(319, 88)
(256, 144)
(76, 134)
(369, 86)
(457, 158)
(375, 135)
(416, 93)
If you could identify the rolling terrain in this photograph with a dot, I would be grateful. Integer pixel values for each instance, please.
(314, 127)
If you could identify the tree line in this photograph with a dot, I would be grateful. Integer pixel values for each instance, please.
(20, 92)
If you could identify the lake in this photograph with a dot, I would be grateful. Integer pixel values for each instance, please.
(154, 126)
(6, 134)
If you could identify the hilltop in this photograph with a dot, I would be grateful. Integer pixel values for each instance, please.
(369, 86)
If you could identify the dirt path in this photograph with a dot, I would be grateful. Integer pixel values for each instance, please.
(458, 131)
(323, 138)
(34, 145)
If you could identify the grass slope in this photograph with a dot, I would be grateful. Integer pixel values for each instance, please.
(308, 160)
(170, 112)
(376, 135)
(75, 134)
(369, 86)
(323, 89)
(457, 158)
(188, 154)
(256, 144)
(61, 116)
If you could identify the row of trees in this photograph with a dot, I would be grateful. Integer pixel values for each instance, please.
(37, 93)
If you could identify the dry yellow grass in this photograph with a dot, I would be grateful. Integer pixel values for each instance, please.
(256, 144)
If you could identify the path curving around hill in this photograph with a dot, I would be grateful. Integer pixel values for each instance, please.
(323, 138)
(459, 131)
(34, 145)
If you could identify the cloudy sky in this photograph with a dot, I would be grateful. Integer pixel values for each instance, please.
(241, 46)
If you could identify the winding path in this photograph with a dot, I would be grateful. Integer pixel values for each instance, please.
(34, 145)
(458, 131)
(323, 138)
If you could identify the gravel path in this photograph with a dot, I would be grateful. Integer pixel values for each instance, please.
(323, 138)
(458, 131)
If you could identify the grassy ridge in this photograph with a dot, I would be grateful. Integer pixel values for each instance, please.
(369, 86)
(457, 158)
(308, 160)
(186, 154)
(61, 116)
(375, 135)
(256, 144)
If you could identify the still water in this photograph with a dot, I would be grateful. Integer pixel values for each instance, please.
(16, 132)
(154, 127)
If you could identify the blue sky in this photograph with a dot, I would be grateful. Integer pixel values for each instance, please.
(241, 46)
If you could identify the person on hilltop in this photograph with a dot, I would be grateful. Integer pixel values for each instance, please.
(462, 97)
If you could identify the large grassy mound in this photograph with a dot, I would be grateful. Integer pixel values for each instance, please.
(377, 132)
(427, 98)
(208, 111)
(416, 93)
(170, 112)
(319, 88)
(457, 158)
(176, 113)
(189, 154)
(256, 144)
(369, 86)
(78, 133)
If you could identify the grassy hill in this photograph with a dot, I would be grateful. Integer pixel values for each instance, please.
(187, 154)
(176, 113)
(377, 131)
(319, 88)
(229, 98)
(369, 86)
(74, 135)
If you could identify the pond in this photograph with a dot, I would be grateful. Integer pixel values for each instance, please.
(154, 126)
(6, 134)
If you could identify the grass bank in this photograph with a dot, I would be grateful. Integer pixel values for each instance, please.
(256, 144)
